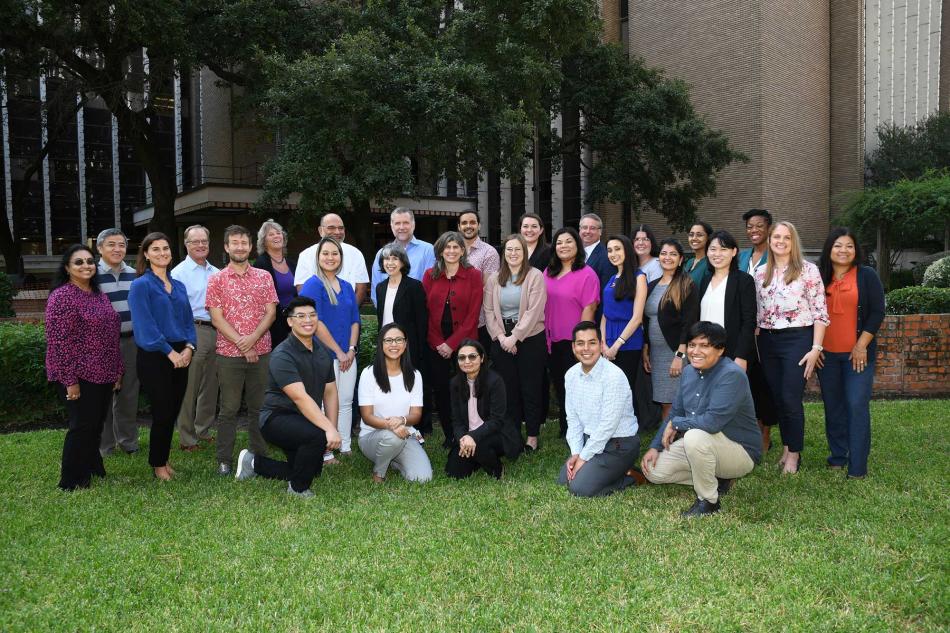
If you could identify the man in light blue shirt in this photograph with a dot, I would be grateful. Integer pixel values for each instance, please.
(421, 256)
(196, 416)
(601, 425)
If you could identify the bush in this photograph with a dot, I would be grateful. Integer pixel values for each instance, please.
(937, 274)
(901, 279)
(366, 350)
(918, 300)
(25, 394)
(6, 296)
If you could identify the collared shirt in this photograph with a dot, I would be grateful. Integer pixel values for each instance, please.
(243, 301)
(485, 258)
(195, 277)
(292, 362)
(116, 287)
(717, 400)
(599, 404)
(798, 304)
(590, 249)
(421, 259)
(353, 269)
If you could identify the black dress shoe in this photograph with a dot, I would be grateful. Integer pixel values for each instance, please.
(725, 485)
(701, 507)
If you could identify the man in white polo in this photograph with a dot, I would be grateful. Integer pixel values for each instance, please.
(354, 264)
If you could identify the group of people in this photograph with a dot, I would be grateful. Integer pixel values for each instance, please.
(720, 344)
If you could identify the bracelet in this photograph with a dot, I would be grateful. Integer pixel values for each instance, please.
(404, 420)
(622, 339)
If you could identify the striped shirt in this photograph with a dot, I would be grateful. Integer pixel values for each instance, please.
(599, 404)
(116, 287)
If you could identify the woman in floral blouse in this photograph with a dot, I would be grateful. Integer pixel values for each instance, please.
(83, 359)
(792, 318)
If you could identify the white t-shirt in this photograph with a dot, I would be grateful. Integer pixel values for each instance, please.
(353, 271)
(388, 306)
(385, 405)
(713, 306)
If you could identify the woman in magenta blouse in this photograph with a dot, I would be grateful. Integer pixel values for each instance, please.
(573, 294)
(83, 359)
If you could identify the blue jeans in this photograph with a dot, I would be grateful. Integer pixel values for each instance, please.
(847, 397)
(780, 352)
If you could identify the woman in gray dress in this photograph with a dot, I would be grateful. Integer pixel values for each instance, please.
(671, 309)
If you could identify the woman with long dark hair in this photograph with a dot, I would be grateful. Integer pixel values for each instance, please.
(390, 397)
(166, 339)
(855, 299)
(697, 265)
(83, 359)
(531, 227)
(272, 256)
(483, 433)
(573, 294)
(727, 297)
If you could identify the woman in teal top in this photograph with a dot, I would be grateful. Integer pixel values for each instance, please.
(697, 265)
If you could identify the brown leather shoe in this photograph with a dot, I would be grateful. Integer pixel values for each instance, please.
(637, 476)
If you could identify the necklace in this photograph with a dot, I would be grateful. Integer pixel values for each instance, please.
(277, 262)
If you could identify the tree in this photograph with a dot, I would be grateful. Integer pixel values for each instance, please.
(909, 152)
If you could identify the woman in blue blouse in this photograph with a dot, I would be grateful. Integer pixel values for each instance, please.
(338, 329)
(165, 337)
(623, 299)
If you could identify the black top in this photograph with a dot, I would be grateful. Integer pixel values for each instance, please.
(870, 304)
(264, 262)
(410, 312)
(492, 403)
(541, 256)
(740, 313)
(292, 362)
(675, 323)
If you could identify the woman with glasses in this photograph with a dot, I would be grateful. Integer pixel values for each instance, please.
(338, 330)
(483, 434)
(647, 248)
(272, 257)
(390, 397)
(84, 361)
(514, 301)
(697, 265)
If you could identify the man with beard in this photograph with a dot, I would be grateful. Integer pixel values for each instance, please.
(482, 256)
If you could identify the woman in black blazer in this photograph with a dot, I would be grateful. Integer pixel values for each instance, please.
(727, 297)
(480, 442)
(272, 257)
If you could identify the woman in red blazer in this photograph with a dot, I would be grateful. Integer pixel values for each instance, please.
(454, 299)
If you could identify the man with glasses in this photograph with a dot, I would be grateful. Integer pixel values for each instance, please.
(421, 255)
(201, 396)
(114, 276)
(299, 406)
(591, 228)
(354, 264)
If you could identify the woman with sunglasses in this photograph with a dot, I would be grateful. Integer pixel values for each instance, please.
(83, 359)
(390, 397)
(482, 431)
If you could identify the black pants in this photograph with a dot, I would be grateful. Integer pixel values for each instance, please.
(81, 458)
(165, 387)
(304, 444)
(485, 339)
(441, 371)
(761, 393)
(523, 374)
(425, 424)
(629, 362)
(560, 360)
(487, 456)
(781, 352)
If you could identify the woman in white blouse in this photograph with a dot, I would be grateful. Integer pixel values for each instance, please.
(728, 298)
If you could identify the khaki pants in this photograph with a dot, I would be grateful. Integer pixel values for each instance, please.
(697, 459)
(201, 396)
(237, 376)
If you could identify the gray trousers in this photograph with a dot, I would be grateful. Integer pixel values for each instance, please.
(196, 416)
(121, 427)
(384, 448)
(606, 472)
(237, 376)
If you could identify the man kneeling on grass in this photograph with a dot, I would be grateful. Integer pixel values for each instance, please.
(711, 436)
(601, 425)
(301, 381)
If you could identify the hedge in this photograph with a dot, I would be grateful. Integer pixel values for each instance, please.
(937, 274)
(6, 296)
(918, 300)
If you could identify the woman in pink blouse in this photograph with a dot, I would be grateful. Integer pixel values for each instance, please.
(573, 294)
(83, 359)
(792, 318)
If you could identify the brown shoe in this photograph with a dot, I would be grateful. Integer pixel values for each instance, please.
(637, 476)
(190, 449)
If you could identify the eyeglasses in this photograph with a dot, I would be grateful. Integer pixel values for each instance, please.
(197, 242)
(79, 262)
(394, 340)
(305, 316)
(469, 357)
(515, 249)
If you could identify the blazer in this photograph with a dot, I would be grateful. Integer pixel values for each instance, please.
(746, 254)
(409, 311)
(740, 313)
(534, 295)
(870, 305)
(675, 323)
(541, 256)
(492, 405)
(466, 289)
(601, 265)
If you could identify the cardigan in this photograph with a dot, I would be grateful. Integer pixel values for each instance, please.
(466, 303)
(534, 295)
(492, 405)
(740, 313)
(409, 312)
(264, 262)
(870, 305)
(675, 324)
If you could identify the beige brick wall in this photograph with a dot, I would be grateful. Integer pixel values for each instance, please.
(847, 100)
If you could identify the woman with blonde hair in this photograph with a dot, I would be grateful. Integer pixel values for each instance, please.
(792, 317)
(272, 257)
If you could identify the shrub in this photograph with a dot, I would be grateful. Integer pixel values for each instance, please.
(937, 274)
(901, 279)
(918, 300)
(25, 395)
(6, 296)
(366, 350)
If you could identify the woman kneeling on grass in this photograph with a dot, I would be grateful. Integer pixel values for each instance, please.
(390, 397)
(482, 432)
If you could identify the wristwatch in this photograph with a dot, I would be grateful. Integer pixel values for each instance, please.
(352, 348)
(680, 354)
(191, 347)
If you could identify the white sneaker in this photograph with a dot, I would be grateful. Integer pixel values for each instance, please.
(306, 494)
(245, 466)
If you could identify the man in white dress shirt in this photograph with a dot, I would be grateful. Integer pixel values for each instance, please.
(354, 264)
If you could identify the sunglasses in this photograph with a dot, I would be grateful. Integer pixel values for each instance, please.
(79, 262)
(469, 357)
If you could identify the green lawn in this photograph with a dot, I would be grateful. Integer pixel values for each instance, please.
(812, 552)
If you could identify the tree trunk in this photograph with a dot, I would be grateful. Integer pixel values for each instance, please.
(360, 226)
(10, 248)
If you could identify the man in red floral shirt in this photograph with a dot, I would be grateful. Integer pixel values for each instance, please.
(242, 302)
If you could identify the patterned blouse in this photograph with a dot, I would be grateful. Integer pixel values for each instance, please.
(798, 304)
(82, 337)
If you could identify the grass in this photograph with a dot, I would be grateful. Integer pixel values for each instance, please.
(812, 552)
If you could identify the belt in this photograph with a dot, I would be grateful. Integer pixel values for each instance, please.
(203, 322)
(786, 330)
(509, 325)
